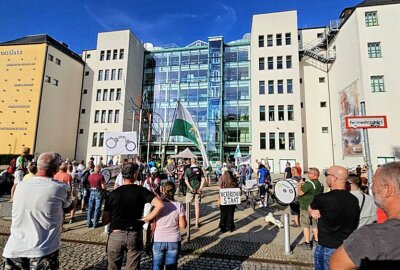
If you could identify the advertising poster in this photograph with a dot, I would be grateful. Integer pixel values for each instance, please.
(349, 105)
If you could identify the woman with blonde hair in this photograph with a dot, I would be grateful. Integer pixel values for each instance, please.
(167, 237)
(227, 180)
(295, 206)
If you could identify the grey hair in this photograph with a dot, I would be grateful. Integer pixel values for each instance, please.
(390, 173)
(315, 170)
(49, 162)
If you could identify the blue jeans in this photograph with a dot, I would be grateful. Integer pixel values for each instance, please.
(166, 253)
(94, 207)
(322, 256)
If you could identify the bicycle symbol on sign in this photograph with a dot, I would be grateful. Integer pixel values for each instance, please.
(112, 143)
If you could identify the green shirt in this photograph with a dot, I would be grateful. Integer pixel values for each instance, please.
(309, 192)
(194, 174)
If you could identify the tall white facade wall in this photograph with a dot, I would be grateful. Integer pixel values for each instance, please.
(121, 75)
(274, 24)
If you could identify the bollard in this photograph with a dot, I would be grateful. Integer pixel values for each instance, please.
(287, 234)
(188, 221)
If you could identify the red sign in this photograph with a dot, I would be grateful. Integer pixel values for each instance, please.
(360, 122)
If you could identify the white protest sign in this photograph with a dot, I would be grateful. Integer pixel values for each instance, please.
(229, 196)
(120, 143)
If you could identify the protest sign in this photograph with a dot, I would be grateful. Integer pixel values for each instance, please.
(229, 196)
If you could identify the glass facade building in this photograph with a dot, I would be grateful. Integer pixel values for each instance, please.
(212, 80)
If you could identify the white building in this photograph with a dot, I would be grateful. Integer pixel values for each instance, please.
(111, 91)
(352, 60)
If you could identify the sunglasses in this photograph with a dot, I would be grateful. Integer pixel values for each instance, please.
(327, 174)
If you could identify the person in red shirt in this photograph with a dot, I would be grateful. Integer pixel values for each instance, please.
(298, 167)
(97, 184)
(63, 176)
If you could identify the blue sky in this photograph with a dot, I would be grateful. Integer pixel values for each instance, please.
(77, 22)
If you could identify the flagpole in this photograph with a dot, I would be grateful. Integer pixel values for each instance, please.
(170, 130)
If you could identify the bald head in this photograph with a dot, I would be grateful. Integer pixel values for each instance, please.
(48, 163)
(336, 177)
(97, 168)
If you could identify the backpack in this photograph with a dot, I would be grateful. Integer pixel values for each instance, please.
(85, 179)
(12, 167)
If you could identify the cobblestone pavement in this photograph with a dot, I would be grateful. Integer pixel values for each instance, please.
(90, 257)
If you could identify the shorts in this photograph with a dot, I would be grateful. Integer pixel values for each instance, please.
(18, 176)
(190, 197)
(306, 220)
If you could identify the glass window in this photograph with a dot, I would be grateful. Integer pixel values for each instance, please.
(94, 140)
(243, 92)
(108, 56)
(110, 116)
(58, 61)
(281, 141)
(174, 60)
(290, 114)
(184, 60)
(371, 18)
(113, 71)
(278, 39)
(291, 141)
(55, 82)
(96, 116)
(119, 74)
(243, 55)
(243, 73)
(115, 54)
(288, 61)
(279, 62)
(321, 79)
(230, 56)
(101, 139)
(281, 112)
(261, 63)
(325, 130)
(243, 112)
(262, 113)
(203, 94)
(194, 59)
(288, 38)
(263, 140)
(98, 95)
(280, 86)
(121, 54)
(377, 84)
(105, 94)
(261, 41)
(231, 93)
(271, 113)
(173, 77)
(107, 75)
(112, 93)
(149, 62)
(50, 57)
(270, 87)
(272, 141)
(323, 104)
(118, 97)
(203, 59)
(289, 84)
(100, 77)
(103, 116)
(270, 62)
(261, 87)
(116, 117)
(231, 73)
(102, 56)
(270, 40)
(374, 50)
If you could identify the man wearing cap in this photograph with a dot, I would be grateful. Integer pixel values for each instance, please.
(194, 179)
(21, 163)
(123, 209)
(337, 212)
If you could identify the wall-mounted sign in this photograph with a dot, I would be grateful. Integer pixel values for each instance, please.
(120, 143)
(360, 122)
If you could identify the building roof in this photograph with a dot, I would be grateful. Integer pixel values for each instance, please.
(368, 3)
(43, 38)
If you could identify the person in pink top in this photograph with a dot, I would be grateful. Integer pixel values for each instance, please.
(167, 237)
(63, 176)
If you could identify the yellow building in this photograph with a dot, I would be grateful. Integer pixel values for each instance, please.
(40, 93)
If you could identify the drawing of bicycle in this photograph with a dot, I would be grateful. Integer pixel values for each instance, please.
(112, 143)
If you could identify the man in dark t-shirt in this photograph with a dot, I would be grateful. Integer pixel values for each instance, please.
(194, 179)
(124, 211)
(338, 214)
(288, 171)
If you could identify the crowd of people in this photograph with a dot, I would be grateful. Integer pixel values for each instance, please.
(339, 224)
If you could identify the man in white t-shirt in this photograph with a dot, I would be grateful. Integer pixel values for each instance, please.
(37, 217)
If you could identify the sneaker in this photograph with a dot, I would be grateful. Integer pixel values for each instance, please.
(71, 221)
(305, 245)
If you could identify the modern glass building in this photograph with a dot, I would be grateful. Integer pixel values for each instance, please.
(212, 80)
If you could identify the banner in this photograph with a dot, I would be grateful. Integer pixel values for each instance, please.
(244, 160)
(349, 106)
(229, 196)
(120, 143)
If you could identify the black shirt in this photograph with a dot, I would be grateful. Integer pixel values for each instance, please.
(126, 204)
(339, 216)
(288, 172)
